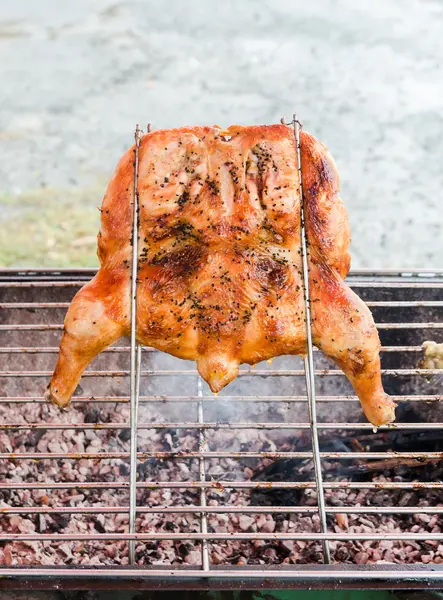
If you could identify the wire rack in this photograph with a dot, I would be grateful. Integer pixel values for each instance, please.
(160, 394)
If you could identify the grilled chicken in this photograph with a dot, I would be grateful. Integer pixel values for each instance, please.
(220, 273)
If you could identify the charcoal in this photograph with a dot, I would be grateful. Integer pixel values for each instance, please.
(125, 435)
(92, 414)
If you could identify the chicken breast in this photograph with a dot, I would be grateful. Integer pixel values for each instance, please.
(220, 273)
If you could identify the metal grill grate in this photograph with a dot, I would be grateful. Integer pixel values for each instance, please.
(200, 457)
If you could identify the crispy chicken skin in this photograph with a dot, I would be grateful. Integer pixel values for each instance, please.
(220, 279)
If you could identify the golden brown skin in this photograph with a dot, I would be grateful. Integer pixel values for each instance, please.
(220, 278)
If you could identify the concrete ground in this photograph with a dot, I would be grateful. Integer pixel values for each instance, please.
(366, 77)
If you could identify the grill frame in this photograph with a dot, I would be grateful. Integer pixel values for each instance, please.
(312, 575)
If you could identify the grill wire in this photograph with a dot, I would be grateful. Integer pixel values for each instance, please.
(259, 413)
(27, 302)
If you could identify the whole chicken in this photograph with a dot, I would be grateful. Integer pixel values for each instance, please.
(220, 268)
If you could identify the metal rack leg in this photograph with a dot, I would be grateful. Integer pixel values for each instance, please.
(309, 360)
(202, 473)
(310, 386)
(133, 451)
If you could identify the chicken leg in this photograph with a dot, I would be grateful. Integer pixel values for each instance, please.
(97, 317)
(343, 328)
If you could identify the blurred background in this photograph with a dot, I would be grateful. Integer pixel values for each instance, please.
(365, 77)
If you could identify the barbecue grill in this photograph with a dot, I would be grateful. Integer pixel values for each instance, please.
(149, 479)
(65, 474)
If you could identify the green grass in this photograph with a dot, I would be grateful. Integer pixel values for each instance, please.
(50, 228)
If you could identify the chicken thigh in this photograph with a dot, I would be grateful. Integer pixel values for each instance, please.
(220, 273)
